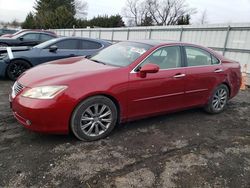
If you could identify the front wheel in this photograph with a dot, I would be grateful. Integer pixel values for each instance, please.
(94, 118)
(16, 68)
(218, 101)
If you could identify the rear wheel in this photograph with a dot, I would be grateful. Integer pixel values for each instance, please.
(218, 101)
(94, 118)
(16, 68)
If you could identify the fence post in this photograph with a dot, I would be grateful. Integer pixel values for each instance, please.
(89, 33)
(181, 32)
(100, 34)
(112, 35)
(226, 40)
(149, 35)
(128, 34)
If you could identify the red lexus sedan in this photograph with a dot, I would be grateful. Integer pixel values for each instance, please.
(124, 82)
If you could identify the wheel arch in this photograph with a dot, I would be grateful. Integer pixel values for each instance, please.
(22, 59)
(228, 87)
(107, 95)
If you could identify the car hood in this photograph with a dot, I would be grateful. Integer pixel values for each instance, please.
(62, 71)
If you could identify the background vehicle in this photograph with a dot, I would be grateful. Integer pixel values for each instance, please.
(124, 82)
(6, 31)
(29, 38)
(10, 35)
(54, 49)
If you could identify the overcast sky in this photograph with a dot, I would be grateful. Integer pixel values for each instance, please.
(220, 11)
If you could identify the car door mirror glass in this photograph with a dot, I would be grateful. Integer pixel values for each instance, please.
(21, 38)
(53, 48)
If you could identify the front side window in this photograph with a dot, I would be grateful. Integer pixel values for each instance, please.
(166, 57)
(67, 44)
(199, 57)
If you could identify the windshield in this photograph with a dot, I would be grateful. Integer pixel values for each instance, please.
(121, 54)
(46, 43)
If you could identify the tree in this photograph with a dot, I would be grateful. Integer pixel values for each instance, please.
(29, 22)
(81, 8)
(203, 19)
(50, 14)
(162, 12)
(135, 11)
(184, 20)
(103, 21)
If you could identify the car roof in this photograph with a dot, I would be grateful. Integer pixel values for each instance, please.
(84, 38)
(157, 42)
(32, 31)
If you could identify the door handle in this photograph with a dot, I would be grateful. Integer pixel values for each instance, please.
(218, 70)
(179, 75)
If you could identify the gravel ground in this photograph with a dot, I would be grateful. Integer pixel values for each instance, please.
(185, 149)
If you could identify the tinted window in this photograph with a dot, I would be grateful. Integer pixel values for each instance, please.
(45, 37)
(165, 58)
(31, 36)
(67, 44)
(90, 45)
(199, 57)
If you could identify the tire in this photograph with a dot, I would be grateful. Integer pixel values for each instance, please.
(94, 118)
(3, 45)
(16, 68)
(218, 100)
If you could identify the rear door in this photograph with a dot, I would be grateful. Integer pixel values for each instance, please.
(161, 91)
(203, 73)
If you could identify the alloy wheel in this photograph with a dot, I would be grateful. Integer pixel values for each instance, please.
(96, 119)
(219, 99)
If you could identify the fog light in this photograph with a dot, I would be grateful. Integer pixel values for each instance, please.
(28, 122)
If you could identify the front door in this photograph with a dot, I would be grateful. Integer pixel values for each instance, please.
(157, 92)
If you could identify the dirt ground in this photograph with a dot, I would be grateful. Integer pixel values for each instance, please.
(185, 149)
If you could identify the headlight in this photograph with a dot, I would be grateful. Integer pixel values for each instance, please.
(44, 92)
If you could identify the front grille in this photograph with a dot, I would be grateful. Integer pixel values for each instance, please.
(17, 88)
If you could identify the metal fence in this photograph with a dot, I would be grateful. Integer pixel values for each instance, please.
(233, 41)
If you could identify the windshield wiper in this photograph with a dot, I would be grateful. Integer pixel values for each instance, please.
(98, 61)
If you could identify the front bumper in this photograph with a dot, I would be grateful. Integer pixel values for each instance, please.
(45, 116)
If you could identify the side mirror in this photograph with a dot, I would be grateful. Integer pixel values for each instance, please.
(148, 68)
(53, 48)
(21, 38)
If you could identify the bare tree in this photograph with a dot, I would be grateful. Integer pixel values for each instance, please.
(135, 11)
(81, 8)
(167, 12)
(204, 19)
(162, 12)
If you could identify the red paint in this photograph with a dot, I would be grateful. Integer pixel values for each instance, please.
(139, 95)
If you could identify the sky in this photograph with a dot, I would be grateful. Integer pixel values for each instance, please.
(220, 11)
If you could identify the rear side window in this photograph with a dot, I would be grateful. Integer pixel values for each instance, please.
(45, 37)
(31, 36)
(67, 44)
(90, 45)
(199, 57)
